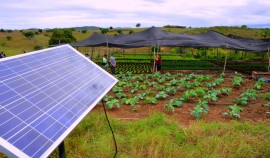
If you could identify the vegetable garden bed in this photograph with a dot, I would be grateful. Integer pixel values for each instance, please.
(187, 97)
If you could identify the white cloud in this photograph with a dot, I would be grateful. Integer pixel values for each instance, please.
(19, 14)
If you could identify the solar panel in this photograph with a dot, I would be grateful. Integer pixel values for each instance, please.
(43, 96)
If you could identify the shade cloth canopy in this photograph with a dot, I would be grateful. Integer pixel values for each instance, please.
(156, 37)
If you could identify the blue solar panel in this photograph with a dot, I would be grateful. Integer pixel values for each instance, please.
(43, 96)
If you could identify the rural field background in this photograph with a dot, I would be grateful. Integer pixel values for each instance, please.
(190, 109)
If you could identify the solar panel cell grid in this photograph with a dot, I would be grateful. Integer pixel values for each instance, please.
(43, 96)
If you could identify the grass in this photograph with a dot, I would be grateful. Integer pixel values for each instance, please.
(161, 136)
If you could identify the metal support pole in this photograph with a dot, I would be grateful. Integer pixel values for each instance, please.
(154, 66)
(268, 60)
(225, 63)
(61, 148)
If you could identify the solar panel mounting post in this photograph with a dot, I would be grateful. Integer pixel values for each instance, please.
(61, 148)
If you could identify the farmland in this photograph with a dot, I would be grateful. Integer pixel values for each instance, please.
(178, 114)
(189, 109)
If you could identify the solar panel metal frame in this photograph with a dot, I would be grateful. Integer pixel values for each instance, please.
(12, 151)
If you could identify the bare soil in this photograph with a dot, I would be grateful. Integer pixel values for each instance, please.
(254, 112)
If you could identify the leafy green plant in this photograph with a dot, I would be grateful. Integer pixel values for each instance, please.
(211, 84)
(266, 104)
(173, 82)
(143, 86)
(169, 108)
(121, 83)
(107, 98)
(151, 100)
(225, 91)
(197, 112)
(259, 85)
(250, 93)
(140, 96)
(176, 102)
(234, 111)
(161, 95)
(222, 75)
(161, 80)
(170, 90)
(196, 84)
(211, 96)
(121, 95)
(200, 91)
(130, 101)
(237, 81)
(266, 96)
(242, 100)
(218, 81)
(117, 89)
(112, 103)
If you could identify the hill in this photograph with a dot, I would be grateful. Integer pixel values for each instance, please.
(18, 43)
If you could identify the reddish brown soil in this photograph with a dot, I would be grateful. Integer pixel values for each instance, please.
(253, 113)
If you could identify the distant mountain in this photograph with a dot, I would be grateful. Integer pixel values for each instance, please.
(86, 28)
(259, 26)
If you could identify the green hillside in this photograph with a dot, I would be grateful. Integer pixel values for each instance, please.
(19, 43)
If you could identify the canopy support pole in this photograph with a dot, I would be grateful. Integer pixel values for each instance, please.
(268, 60)
(154, 66)
(224, 68)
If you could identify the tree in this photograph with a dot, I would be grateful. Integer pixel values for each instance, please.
(119, 31)
(104, 31)
(138, 25)
(84, 31)
(265, 33)
(130, 32)
(62, 36)
(2, 30)
(29, 35)
(39, 30)
(9, 38)
(244, 26)
(111, 27)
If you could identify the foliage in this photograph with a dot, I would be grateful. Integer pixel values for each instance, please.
(237, 81)
(176, 102)
(62, 36)
(199, 109)
(9, 38)
(117, 89)
(170, 90)
(169, 108)
(112, 103)
(266, 96)
(38, 47)
(234, 111)
(211, 95)
(130, 101)
(225, 91)
(29, 34)
(259, 85)
(104, 30)
(107, 98)
(151, 100)
(120, 95)
(249, 94)
(161, 95)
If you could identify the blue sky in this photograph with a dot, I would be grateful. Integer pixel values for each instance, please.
(23, 14)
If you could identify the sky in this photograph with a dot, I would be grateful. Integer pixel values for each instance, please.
(24, 14)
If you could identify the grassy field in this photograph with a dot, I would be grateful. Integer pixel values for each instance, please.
(161, 136)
